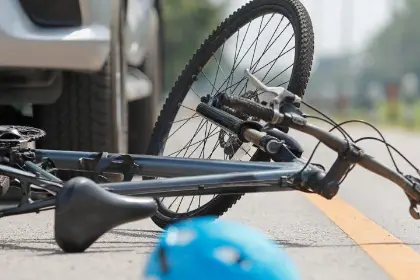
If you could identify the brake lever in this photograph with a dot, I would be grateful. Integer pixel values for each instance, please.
(414, 210)
(280, 93)
(414, 205)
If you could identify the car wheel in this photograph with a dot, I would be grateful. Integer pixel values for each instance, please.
(87, 116)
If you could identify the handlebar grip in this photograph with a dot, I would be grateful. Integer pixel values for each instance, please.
(248, 107)
(222, 118)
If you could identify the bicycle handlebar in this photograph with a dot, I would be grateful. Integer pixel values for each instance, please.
(348, 152)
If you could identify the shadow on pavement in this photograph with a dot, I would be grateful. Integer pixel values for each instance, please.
(126, 240)
(137, 233)
(48, 246)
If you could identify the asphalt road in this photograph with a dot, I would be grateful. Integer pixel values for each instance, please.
(366, 233)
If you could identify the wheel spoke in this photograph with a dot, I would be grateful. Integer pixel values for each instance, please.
(223, 72)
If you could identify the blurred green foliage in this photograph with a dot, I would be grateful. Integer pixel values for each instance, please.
(186, 25)
(395, 50)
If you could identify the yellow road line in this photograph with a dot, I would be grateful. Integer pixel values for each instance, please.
(400, 261)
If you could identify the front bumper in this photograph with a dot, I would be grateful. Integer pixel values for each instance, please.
(26, 44)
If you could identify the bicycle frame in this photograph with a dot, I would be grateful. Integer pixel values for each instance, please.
(183, 176)
(190, 176)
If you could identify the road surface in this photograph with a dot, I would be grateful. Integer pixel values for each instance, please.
(366, 233)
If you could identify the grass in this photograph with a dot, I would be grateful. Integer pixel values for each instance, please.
(381, 116)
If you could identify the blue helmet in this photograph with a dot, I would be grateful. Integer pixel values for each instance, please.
(205, 248)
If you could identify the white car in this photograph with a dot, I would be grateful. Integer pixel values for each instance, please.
(89, 72)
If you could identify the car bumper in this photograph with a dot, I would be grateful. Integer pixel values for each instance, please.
(85, 47)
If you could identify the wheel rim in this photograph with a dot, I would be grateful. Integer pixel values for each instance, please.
(242, 50)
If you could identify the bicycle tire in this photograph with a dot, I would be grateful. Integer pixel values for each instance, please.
(299, 18)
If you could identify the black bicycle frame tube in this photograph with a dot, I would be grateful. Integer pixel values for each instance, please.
(28, 208)
(242, 182)
(193, 176)
(159, 166)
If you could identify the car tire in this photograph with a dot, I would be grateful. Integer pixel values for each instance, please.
(83, 119)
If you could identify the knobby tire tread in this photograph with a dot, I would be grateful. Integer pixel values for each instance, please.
(81, 117)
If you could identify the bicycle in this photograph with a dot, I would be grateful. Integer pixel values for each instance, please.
(105, 196)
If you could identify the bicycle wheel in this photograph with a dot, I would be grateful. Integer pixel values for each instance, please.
(234, 45)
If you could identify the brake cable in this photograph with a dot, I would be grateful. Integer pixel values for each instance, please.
(338, 126)
(281, 94)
